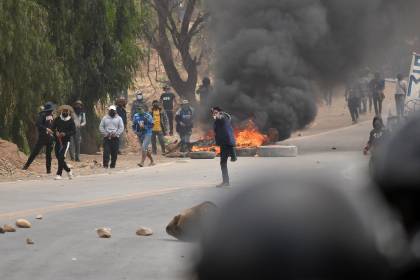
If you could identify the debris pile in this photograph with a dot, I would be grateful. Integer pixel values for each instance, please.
(11, 159)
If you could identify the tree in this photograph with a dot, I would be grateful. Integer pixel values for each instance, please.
(176, 24)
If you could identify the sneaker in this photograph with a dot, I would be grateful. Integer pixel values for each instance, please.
(223, 185)
(58, 178)
(70, 174)
(233, 158)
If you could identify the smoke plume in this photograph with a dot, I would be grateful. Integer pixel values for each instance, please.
(270, 54)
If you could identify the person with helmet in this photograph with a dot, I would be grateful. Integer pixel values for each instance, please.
(160, 127)
(76, 139)
(111, 128)
(184, 124)
(143, 128)
(168, 101)
(45, 136)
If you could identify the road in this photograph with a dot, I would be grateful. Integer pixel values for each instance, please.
(66, 245)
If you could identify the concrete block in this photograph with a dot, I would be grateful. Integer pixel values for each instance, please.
(277, 151)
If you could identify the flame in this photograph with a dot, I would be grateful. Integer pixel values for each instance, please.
(246, 137)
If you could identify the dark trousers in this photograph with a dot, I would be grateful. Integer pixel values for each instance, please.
(400, 103)
(60, 154)
(75, 141)
(48, 144)
(354, 104)
(377, 103)
(111, 147)
(170, 115)
(370, 102)
(159, 136)
(225, 153)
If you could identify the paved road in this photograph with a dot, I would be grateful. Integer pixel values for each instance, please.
(66, 246)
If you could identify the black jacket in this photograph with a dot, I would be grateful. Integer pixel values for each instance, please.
(123, 114)
(68, 127)
(43, 122)
(224, 132)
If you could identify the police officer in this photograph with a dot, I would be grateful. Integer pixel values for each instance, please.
(45, 136)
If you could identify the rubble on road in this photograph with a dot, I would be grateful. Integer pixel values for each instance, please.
(190, 223)
(9, 228)
(22, 223)
(29, 241)
(11, 160)
(104, 232)
(143, 231)
(39, 217)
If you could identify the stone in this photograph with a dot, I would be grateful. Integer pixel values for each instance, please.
(39, 217)
(277, 151)
(22, 223)
(2, 230)
(202, 155)
(104, 232)
(246, 152)
(143, 231)
(29, 241)
(9, 228)
(191, 223)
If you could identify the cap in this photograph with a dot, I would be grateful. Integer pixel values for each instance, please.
(112, 107)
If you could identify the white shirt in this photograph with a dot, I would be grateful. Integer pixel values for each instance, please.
(401, 88)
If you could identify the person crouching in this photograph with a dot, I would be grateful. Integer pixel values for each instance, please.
(111, 128)
(64, 128)
(143, 128)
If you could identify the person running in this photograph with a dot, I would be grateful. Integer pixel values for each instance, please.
(377, 87)
(160, 127)
(111, 128)
(45, 136)
(184, 124)
(64, 128)
(76, 139)
(168, 101)
(143, 128)
(225, 139)
(353, 100)
(400, 95)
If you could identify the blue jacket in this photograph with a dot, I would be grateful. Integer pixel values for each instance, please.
(224, 132)
(147, 120)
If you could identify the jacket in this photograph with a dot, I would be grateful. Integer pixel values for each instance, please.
(43, 122)
(111, 125)
(62, 126)
(223, 131)
(147, 120)
(123, 114)
(184, 120)
(137, 104)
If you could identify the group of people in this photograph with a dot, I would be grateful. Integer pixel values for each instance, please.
(359, 92)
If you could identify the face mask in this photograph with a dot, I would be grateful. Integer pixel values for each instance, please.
(64, 115)
(139, 97)
(112, 113)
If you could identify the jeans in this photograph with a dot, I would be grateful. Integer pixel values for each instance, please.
(111, 147)
(159, 135)
(37, 149)
(75, 141)
(170, 115)
(185, 141)
(225, 153)
(145, 141)
(400, 104)
(377, 103)
(60, 154)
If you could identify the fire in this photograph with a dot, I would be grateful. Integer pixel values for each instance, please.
(246, 137)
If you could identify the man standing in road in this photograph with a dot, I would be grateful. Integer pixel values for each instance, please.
(400, 94)
(377, 87)
(353, 100)
(80, 122)
(121, 111)
(184, 124)
(45, 136)
(160, 126)
(143, 128)
(111, 128)
(225, 139)
(64, 128)
(168, 101)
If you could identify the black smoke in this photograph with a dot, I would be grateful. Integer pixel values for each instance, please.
(271, 54)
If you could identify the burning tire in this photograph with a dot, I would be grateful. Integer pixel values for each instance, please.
(246, 152)
(202, 155)
(277, 151)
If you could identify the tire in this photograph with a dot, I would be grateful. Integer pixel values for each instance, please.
(202, 155)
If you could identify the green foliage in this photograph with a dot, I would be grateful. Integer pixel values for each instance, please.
(63, 50)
